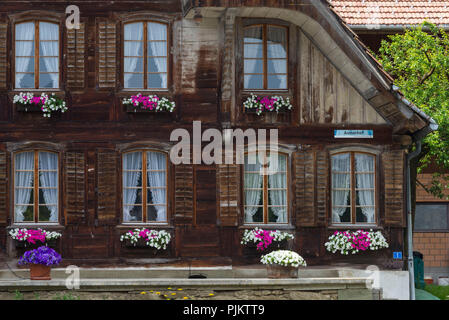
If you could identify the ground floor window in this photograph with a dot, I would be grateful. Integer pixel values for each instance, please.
(432, 216)
(144, 186)
(265, 190)
(36, 186)
(353, 188)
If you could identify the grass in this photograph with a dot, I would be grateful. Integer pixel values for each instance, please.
(441, 292)
(68, 296)
(18, 295)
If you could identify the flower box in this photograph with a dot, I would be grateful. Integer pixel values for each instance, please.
(283, 264)
(151, 103)
(353, 242)
(48, 105)
(146, 238)
(280, 272)
(267, 104)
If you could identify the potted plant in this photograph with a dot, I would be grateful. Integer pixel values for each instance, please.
(34, 237)
(146, 238)
(267, 104)
(283, 264)
(265, 240)
(151, 103)
(352, 242)
(47, 104)
(40, 261)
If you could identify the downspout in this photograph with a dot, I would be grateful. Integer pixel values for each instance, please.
(411, 270)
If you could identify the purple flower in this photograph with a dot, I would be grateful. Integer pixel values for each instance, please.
(42, 255)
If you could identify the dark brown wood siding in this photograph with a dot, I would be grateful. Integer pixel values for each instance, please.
(74, 185)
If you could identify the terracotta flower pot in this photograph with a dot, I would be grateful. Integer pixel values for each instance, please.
(40, 272)
(275, 271)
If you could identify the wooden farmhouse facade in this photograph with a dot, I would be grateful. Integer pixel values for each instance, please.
(82, 172)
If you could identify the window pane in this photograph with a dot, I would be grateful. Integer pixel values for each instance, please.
(156, 196)
(45, 213)
(277, 214)
(253, 34)
(157, 31)
(48, 80)
(133, 80)
(24, 80)
(132, 213)
(278, 164)
(277, 82)
(48, 64)
(133, 65)
(27, 214)
(364, 163)
(49, 48)
(254, 214)
(253, 66)
(277, 42)
(133, 48)
(431, 217)
(134, 31)
(277, 66)
(157, 49)
(25, 31)
(24, 65)
(157, 64)
(253, 82)
(24, 48)
(253, 51)
(132, 161)
(157, 80)
(48, 31)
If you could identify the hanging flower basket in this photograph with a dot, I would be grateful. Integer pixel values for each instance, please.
(259, 105)
(27, 102)
(353, 242)
(151, 103)
(283, 264)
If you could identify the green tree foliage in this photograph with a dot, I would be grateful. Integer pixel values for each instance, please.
(418, 60)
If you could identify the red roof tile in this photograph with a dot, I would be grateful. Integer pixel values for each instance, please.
(391, 12)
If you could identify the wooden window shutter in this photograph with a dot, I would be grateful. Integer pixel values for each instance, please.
(107, 167)
(394, 187)
(304, 175)
(76, 57)
(4, 160)
(74, 183)
(228, 180)
(183, 194)
(3, 54)
(107, 39)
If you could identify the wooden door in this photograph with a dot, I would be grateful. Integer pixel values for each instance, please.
(201, 239)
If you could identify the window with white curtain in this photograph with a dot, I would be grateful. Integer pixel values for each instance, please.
(265, 50)
(353, 188)
(265, 189)
(36, 55)
(36, 187)
(145, 63)
(144, 187)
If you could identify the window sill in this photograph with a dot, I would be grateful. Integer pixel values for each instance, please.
(133, 225)
(355, 226)
(28, 225)
(268, 226)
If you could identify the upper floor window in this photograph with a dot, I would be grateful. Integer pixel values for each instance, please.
(145, 55)
(353, 188)
(144, 186)
(36, 55)
(265, 57)
(36, 186)
(265, 194)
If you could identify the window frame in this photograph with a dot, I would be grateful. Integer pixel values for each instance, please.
(145, 188)
(265, 194)
(145, 54)
(36, 72)
(36, 188)
(265, 25)
(446, 203)
(353, 222)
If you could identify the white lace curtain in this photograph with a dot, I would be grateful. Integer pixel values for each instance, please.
(23, 183)
(364, 166)
(132, 170)
(133, 63)
(24, 55)
(277, 57)
(278, 190)
(49, 54)
(156, 172)
(341, 173)
(253, 188)
(157, 53)
(48, 177)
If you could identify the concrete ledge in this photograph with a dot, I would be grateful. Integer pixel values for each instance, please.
(308, 284)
